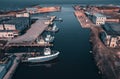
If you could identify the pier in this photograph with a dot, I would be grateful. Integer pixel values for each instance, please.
(28, 39)
(83, 19)
(12, 69)
(38, 9)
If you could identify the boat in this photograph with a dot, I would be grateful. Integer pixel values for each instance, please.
(45, 56)
(49, 38)
(54, 28)
(59, 19)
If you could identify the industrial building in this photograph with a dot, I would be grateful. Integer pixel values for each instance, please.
(12, 28)
(22, 15)
(32, 10)
(98, 19)
(111, 36)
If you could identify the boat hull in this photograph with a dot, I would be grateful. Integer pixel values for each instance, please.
(43, 58)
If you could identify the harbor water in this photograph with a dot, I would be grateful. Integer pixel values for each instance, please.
(74, 60)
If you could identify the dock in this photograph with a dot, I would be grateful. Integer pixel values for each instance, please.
(38, 9)
(31, 34)
(84, 21)
(11, 71)
(106, 58)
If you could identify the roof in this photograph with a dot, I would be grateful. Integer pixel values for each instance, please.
(98, 15)
(20, 23)
(1, 68)
(7, 30)
(108, 7)
(112, 29)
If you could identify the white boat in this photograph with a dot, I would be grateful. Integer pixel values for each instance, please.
(52, 28)
(55, 28)
(46, 56)
(49, 38)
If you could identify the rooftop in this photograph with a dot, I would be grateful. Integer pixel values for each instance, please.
(108, 7)
(20, 23)
(1, 68)
(98, 15)
(112, 29)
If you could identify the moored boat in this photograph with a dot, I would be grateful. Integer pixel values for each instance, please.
(49, 38)
(47, 55)
(54, 28)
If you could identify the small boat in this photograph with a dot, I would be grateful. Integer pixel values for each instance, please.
(49, 38)
(42, 42)
(59, 19)
(47, 55)
(54, 28)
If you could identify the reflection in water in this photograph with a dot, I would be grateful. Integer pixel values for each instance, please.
(47, 64)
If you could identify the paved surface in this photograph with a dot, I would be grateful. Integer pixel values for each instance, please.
(36, 29)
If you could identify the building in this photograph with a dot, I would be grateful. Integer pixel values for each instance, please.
(98, 19)
(22, 15)
(5, 34)
(32, 10)
(106, 9)
(111, 36)
(8, 31)
(1, 27)
(7, 27)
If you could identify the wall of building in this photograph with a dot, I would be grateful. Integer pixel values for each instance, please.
(112, 20)
(22, 15)
(98, 20)
(6, 34)
(9, 27)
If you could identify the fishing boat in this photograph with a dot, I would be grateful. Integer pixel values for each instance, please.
(54, 28)
(49, 38)
(46, 55)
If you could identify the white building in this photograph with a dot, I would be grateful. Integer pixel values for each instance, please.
(8, 34)
(22, 15)
(1, 27)
(9, 27)
(98, 19)
(8, 31)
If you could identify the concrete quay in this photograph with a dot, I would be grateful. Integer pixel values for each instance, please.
(11, 71)
(107, 59)
(39, 10)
